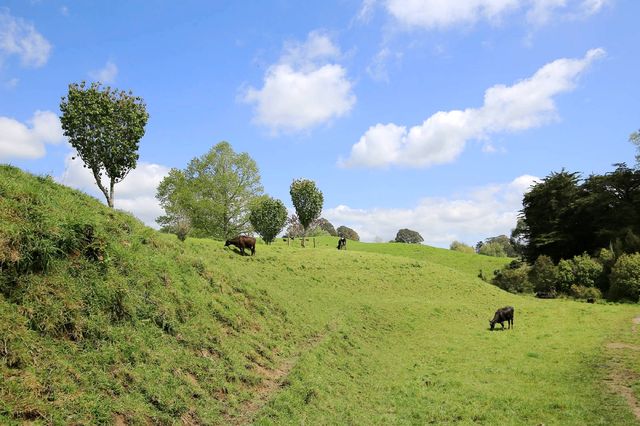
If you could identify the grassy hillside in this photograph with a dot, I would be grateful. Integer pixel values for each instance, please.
(103, 320)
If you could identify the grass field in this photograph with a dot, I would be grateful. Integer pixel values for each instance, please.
(121, 324)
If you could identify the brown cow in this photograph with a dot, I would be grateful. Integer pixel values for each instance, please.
(243, 242)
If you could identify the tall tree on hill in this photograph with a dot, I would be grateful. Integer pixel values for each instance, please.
(408, 236)
(307, 200)
(548, 210)
(104, 126)
(348, 233)
(268, 217)
(214, 192)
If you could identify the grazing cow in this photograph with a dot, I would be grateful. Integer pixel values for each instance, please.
(342, 243)
(546, 294)
(502, 315)
(243, 242)
(591, 300)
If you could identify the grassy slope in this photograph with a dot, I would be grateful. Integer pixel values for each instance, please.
(128, 324)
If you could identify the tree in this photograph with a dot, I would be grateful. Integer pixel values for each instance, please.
(408, 236)
(268, 217)
(625, 278)
(634, 138)
(348, 233)
(461, 247)
(326, 226)
(544, 275)
(492, 248)
(294, 227)
(549, 209)
(104, 126)
(214, 192)
(307, 200)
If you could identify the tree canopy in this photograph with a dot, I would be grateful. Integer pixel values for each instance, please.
(408, 236)
(307, 200)
(104, 126)
(563, 216)
(348, 233)
(268, 217)
(214, 192)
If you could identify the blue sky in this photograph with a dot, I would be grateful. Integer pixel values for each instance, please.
(431, 115)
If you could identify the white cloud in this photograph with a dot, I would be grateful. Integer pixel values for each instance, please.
(444, 14)
(442, 137)
(18, 37)
(135, 194)
(18, 140)
(105, 75)
(483, 212)
(303, 89)
(12, 83)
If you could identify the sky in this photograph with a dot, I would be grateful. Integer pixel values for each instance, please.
(432, 115)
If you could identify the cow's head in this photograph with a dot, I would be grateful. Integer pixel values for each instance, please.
(227, 243)
(492, 324)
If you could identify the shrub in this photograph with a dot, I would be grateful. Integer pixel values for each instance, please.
(461, 247)
(582, 271)
(582, 292)
(544, 274)
(625, 278)
(514, 278)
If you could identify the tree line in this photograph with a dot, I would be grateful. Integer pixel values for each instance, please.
(217, 195)
(579, 236)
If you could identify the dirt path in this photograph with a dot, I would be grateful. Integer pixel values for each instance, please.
(620, 379)
(273, 381)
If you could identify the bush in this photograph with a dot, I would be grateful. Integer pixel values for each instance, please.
(461, 247)
(514, 278)
(582, 292)
(408, 236)
(582, 271)
(544, 275)
(625, 278)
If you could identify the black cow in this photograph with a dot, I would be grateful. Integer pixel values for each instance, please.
(243, 242)
(502, 315)
(342, 243)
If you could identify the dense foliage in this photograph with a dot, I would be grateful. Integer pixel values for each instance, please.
(268, 217)
(213, 193)
(500, 246)
(348, 233)
(326, 226)
(307, 199)
(104, 126)
(564, 217)
(461, 247)
(408, 236)
(625, 278)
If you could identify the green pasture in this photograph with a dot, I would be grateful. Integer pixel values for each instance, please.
(103, 320)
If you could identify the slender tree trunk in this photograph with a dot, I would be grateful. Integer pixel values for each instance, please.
(304, 235)
(112, 185)
(96, 176)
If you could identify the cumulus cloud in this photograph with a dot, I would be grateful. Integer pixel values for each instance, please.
(135, 194)
(27, 141)
(106, 75)
(304, 88)
(481, 213)
(442, 137)
(444, 14)
(18, 37)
